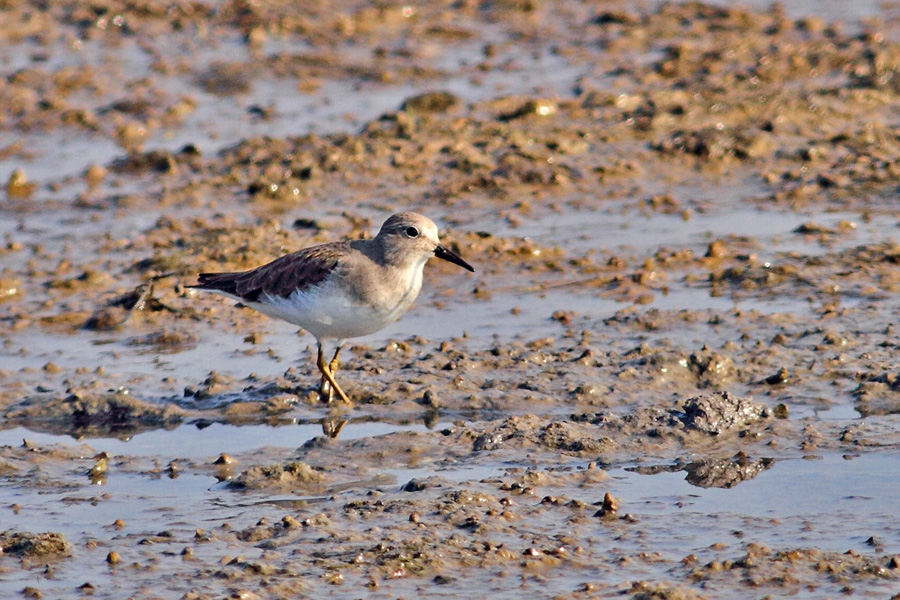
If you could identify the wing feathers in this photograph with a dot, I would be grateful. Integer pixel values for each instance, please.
(281, 277)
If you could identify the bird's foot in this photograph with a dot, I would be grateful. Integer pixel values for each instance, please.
(329, 387)
(326, 392)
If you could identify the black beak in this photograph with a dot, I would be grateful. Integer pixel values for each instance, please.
(453, 257)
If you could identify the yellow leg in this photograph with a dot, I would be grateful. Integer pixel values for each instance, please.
(333, 365)
(326, 392)
(328, 377)
(325, 389)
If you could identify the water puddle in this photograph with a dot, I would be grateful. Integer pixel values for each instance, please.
(823, 488)
(812, 501)
(829, 10)
(774, 231)
(208, 440)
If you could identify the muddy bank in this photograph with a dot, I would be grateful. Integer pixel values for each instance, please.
(673, 374)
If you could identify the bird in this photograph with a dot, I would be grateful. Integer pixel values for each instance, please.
(340, 290)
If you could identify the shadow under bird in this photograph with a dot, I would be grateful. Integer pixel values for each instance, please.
(341, 290)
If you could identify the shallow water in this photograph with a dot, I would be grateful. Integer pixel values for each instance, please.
(795, 502)
(823, 491)
(207, 440)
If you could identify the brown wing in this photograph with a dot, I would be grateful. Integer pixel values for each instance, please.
(281, 277)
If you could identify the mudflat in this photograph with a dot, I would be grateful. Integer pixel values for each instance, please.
(673, 375)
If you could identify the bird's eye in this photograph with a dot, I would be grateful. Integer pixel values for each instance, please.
(412, 232)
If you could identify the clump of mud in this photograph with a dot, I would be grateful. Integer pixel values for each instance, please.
(291, 476)
(33, 545)
(763, 566)
(720, 412)
(93, 414)
(607, 433)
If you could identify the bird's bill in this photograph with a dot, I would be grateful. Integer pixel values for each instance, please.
(453, 257)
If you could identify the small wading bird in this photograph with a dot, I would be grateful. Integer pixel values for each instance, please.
(341, 290)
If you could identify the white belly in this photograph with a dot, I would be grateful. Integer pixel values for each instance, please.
(329, 312)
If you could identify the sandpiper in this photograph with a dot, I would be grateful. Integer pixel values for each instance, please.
(343, 289)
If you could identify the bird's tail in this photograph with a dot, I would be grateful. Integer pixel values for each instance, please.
(217, 282)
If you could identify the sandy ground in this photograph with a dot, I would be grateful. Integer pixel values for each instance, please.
(673, 374)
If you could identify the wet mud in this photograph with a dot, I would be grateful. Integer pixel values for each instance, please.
(673, 375)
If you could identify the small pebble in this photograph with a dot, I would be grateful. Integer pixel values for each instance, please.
(609, 508)
(224, 459)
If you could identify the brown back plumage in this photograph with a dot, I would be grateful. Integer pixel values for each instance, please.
(281, 277)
